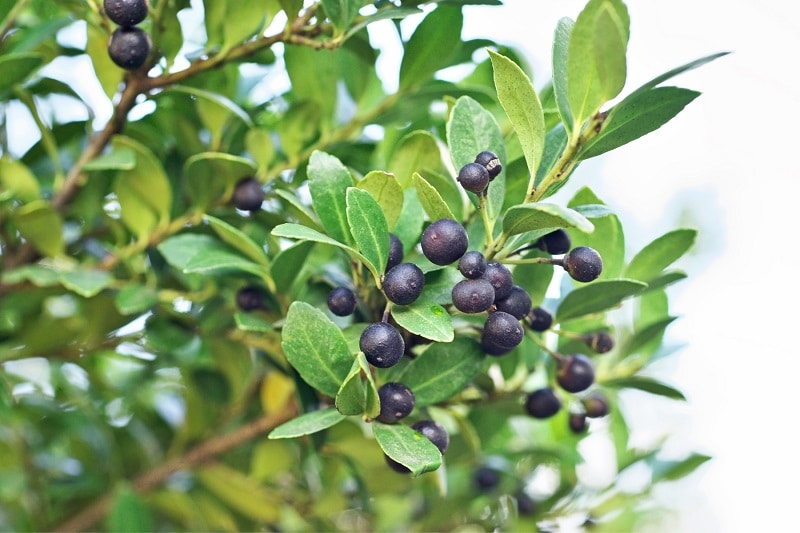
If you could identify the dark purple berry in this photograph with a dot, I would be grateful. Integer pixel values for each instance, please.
(542, 403)
(472, 264)
(540, 318)
(341, 301)
(501, 331)
(473, 177)
(575, 373)
(444, 241)
(596, 405)
(490, 162)
(397, 402)
(126, 12)
(403, 283)
(525, 505)
(600, 341)
(382, 344)
(577, 422)
(248, 194)
(395, 252)
(555, 243)
(500, 277)
(516, 304)
(486, 478)
(249, 298)
(129, 47)
(473, 295)
(583, 264)
(434, 432)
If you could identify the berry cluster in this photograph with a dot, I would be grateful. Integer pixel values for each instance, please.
(129, 45)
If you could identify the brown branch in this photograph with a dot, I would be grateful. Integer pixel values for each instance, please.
(201, 453)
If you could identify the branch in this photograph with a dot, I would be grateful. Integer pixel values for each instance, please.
(201, 453)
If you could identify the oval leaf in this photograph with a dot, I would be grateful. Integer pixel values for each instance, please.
(431, 45)
(236, 238)
(368, 227)
(351, 398)
(328, 180)
(431, 200)
(541, 215)
(431, 321)
(386, 190)
(660, 254)
(307, 424)
(597, 296)
(40, 224)
(407, 447)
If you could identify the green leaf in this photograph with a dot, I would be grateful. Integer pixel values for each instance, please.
(108, 74)
(237, 239)
(178, 249)
(659, 254)
(560, 49)
(540, 215)
(215, 110)
(315, 77)
(218, 258)
(658, 80)
(441, 371)
(210, 177)
(407, 447)
(289, 262)
(645, 336)
(673, 470)
(40, 224)
(133, 299)
(368, 227)
(428, 320)
(472, 129)
(646, 384)
(316, 348)
(307, 424)
(86, 283)
(240, 492)
(251, 322)
(16, 68)
(409, 226)
(431, 201)
(637, 116)
(305, 216)
(296, 231)
(521, 103)
(16, 177)
(372, 406)
(129, 513)
(415, 152)
(118, 159)
(431, 45)
(607, 238)
(597, 296)
(351, 398)
(328, 181)
(386, 190)
(341, 13)
(242, 20)
(38, 275)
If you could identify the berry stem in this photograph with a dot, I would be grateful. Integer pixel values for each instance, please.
(534, 260)
(555, 355)
(487, 224)
(387, 311)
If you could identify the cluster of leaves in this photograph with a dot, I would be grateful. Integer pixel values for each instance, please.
(134, 390)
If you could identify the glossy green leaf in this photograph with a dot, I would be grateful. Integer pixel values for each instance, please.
(16, 177)
(86, 283)
(645, 336)
(221, 258)
(659, 254)
(407, 447)
(38, 275)
(328, 181)
(288, 263)
(178, 249)
(307, 424)
(40, 224)
(368, 227)
(415, 152)
(646, 384)
(316, 348)
(607, 238)
(521, 103)
(240, 492)
(441, 371)
(211, 176)
(431, 201)
(386, 190)
(260, 146)
(597, 296)
(560, 50)
(129, 513)
(673, 470)
(540, 215)
(431, 45)
(238, 240)
(296, 231)
(133, 299)
(668, 277)
(428, 320)
(409, 226)
(472, 129)
(352, 398)
(637, 116)
(555, 142)
(118, 159)
(658, 80)
(305, 215)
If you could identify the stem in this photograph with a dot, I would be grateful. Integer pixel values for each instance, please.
(487, 224)
(533, 261)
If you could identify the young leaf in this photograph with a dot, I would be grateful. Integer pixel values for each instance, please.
(659, 254)
(431, 321)
(307, 423)
(407, 447)
(431, 45)
(597, 296)
(219, 257)
(387, 191)
(442, 370)
(521, 103)
(560, 48)
(431, 200)
(351, 398)
(316, 348)
(328, 180)
(646, 384)
(368, 227)
(540, 215)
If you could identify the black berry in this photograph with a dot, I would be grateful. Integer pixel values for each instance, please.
(542, 403)
(397, 467)
(473, 295)
(341, 301)
(403, 283)
(600, 341)
(126, 12)
(577, 422)
(500, 277)
(490, 162)
(395, 252)
(583, 264)
(248, 194)
(486, 478)
(575, 373)
(540, 319)
(382, 344)
(501, 332)
(434, 432)
(444, 241)
(555, 243)
(516, 304)
(473, 177)
(397, 402)
(472, 264)
(525, 505)
(596, 405)
(249, 298)
(129, 47)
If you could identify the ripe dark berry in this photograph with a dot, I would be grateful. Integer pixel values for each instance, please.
(596, 405)
(397, 402)
(516, 304)
(500, 277)
(542, 403)
(341, 301)
(473, 177)
(502, 331)
(472, 264)
(403, 283)
(575, 373)
(434, 432)
(248, 194)
(577, 422)
(444, 241)
(129, 47)
(249, 298)
(395, 252)
(382, 344)
(600, 341)
(525, 505)
(555, 243)
(486, 478)
(473, 295)
(126, 12)
(490, 348)
(583, 264)
(490, 162)
(540, 318)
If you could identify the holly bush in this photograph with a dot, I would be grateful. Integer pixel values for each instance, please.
(199, 325)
